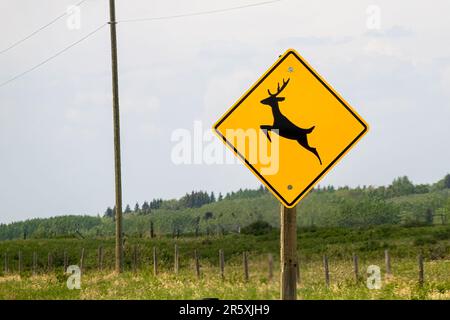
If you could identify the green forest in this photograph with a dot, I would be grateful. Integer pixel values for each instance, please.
(203, 213)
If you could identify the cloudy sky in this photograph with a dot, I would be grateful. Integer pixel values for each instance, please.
(56, 152)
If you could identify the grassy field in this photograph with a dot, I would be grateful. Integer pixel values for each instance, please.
(404, 244)
(143, 285)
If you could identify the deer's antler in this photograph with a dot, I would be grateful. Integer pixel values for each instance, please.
(278, 88)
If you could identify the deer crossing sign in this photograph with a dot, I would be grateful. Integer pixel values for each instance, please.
(290, 128)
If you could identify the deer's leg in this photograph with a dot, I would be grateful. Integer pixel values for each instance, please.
(304, 143)
(266, 128)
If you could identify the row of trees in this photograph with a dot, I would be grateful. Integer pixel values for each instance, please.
(204, 212)
(195, 199)
(401, 186)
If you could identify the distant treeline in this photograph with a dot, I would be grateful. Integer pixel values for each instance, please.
(200, 212)
(195, 199)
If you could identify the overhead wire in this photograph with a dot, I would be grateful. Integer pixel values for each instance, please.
(15, 44)
(53, 56)
(207, 12)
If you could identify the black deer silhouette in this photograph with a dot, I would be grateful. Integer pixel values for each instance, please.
(285, 127)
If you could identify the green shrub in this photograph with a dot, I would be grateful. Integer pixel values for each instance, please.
(424, 240)
(257, 228)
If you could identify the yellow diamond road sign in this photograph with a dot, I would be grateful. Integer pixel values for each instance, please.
(290, 128)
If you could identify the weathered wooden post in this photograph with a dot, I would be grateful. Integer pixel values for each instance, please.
(49, 262)
(270, 267)
(245, 261)
(20, 262)
(222, 264)
(100, 258)
(135, 263)
(288, 253)
(197, 264)
(65, 260)
(6, 263)
(34, 263)
(421, 270)
(82, 260)
(176, 260)
(155, 262)
(326, 270)
(356, 267)
(387, 260)
(152, 232)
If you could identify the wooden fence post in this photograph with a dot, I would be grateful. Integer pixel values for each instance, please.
(152, 232)
(356, 267)
(245, 260)
(82, 260)
(135, 254)
(298, 269)
(34, 263)
(100, 258)
(222, 264)
(20, 262)
(49, 262)
(387, 260)
(65, 260)
(270, 267)
(421, 270)
(327, 270)
(6, 263)
(197, 264)
(176, 260)
(155, 262)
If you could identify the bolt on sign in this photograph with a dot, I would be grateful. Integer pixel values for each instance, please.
(290, 128)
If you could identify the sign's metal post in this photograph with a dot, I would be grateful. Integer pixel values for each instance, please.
(288, 253)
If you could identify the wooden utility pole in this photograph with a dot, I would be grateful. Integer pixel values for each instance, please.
(117, 164)
(288, 253)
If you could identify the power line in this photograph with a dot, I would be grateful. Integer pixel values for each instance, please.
(199, 13)
(120, 21)
(53, 56)
(15, 44)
